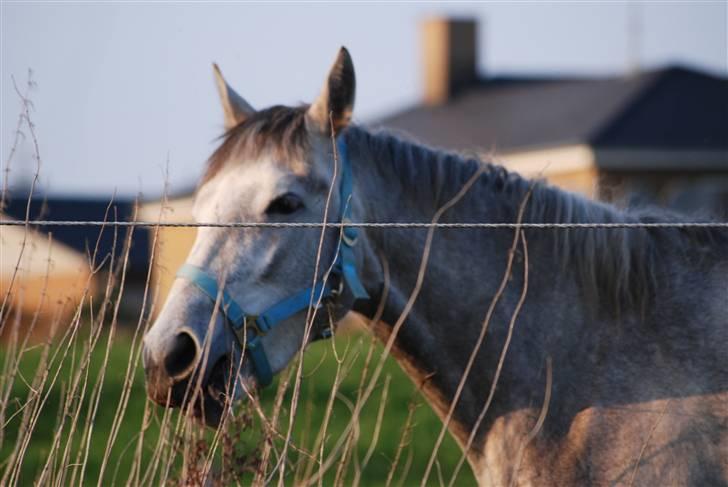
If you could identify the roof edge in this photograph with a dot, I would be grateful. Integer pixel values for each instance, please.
(656, 159)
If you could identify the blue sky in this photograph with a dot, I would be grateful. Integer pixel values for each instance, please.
(125, 89)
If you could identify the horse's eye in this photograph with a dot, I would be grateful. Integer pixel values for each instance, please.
(284, 204)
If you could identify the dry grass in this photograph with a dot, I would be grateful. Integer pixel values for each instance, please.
(73, 409)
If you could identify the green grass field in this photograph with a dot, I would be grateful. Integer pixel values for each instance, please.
(131, 453)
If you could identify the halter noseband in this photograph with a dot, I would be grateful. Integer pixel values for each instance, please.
(247, 328)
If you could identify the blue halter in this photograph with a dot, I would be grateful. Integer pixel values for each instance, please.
(248, 329)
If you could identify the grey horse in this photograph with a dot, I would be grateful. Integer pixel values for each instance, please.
(554, 356)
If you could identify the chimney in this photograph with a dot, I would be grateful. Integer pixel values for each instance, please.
(450, 56)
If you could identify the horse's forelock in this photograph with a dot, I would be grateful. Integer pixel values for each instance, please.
(279, 129)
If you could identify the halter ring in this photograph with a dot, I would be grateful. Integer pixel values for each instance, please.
(250, 322)
(348, 238)
(335, 293)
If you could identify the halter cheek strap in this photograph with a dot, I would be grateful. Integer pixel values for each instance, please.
(247, 328)
(346, 260)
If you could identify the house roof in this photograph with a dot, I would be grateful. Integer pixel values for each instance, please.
(30, 251)
(670, 108)
(85, 239)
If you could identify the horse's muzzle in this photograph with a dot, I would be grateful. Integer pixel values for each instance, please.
(161, 388)
(172, 384)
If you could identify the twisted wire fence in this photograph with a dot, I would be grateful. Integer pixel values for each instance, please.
(525, 225)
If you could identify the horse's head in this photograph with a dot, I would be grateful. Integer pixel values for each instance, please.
(237, 313)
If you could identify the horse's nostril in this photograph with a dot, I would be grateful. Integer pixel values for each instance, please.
(180, 359)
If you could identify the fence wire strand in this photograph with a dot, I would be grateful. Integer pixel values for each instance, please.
(91, 223)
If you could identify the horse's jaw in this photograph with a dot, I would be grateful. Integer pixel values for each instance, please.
(214, 400)
(207, 401)
(225, 387)
(207, 410)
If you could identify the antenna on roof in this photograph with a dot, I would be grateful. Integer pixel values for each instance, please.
(634, 36)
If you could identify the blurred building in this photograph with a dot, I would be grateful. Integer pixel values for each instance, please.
(42, 282)
(87, 240)
(65, 279)
(655, 137)
(171, 244)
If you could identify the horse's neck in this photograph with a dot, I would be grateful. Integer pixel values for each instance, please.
(462, 274)
(597, 358)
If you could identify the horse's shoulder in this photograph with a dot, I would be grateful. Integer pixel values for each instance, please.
(670, 440)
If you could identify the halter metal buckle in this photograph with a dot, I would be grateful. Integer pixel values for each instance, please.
(251, 322)
(351, 236)
(240, 335)
(335, 293)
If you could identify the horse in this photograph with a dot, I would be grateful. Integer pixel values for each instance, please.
(576, 356)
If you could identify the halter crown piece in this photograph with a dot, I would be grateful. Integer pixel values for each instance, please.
(247, 328)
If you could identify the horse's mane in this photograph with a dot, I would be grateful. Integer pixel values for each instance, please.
(616, 266)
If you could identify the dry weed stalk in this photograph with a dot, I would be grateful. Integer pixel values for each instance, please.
(479, 342)
(399, 323)
(181, 452)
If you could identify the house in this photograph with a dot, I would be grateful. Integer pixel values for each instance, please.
(658, 137)
(171, 244)
(70, 245)
(42, 282)
(87, 239)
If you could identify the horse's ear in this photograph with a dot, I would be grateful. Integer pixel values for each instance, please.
(235, 108)
(337, 96)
